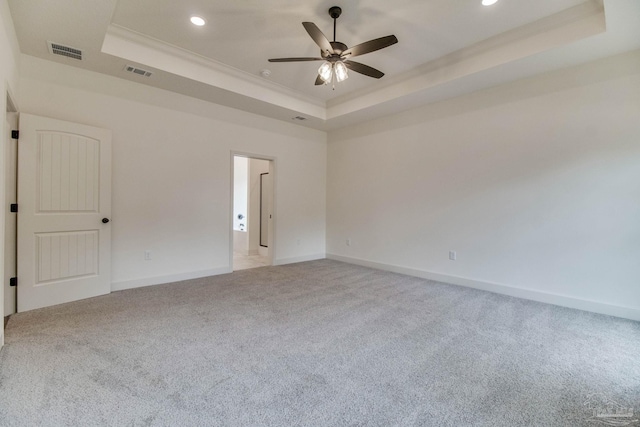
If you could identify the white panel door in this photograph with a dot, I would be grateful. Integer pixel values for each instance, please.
(64, 202)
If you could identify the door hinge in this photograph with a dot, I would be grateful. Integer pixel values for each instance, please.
(13, 281)
(15, 134)
(14, 207)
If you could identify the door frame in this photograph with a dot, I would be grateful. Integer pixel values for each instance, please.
(10, 109)
(10, 106)
(273, 167)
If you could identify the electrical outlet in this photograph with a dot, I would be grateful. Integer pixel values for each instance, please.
(452, 255)
(147, 255)
(348, 242)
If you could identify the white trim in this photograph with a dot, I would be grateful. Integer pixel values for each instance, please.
(11, 107)
(530, 294)
(552, 32)
(303, 258)
(159, 280)
(141, 49)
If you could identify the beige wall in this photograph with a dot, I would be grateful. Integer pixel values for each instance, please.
(172, 172)
(535, 184)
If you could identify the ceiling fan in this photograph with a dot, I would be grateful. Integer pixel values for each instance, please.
(337, 56)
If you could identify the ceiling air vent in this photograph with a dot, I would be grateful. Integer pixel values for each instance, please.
(69, 52)
(138, 71)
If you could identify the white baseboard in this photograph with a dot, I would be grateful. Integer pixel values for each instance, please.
(530, 294)
(159, 280)
(292, 260)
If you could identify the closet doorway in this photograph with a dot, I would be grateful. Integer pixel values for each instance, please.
(252, 225)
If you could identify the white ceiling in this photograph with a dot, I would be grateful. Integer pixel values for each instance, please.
(446, 47)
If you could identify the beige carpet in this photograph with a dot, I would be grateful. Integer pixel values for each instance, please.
(320, 343)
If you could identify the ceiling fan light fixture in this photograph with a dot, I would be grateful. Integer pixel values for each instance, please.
(326, 71)
(341, 71)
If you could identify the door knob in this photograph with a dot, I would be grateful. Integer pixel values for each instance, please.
(105, 220)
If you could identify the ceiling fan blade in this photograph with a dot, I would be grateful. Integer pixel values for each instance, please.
(370, 46)
(294, 59)
(319, 81)
(363, 69)
(318, 37)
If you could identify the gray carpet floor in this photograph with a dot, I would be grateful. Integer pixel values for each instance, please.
(320, 343)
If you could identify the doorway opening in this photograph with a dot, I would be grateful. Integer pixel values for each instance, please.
(252, 225)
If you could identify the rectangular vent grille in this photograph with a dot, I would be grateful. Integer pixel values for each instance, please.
(69, 52)
(138, 71)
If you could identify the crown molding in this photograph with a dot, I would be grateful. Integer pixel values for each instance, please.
(132, 46)
(568, 26)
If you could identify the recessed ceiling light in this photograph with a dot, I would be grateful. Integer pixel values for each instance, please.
(489, 2)
(196, 20)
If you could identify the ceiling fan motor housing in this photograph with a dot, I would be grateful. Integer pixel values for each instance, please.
(334, 12)
(338, 48)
